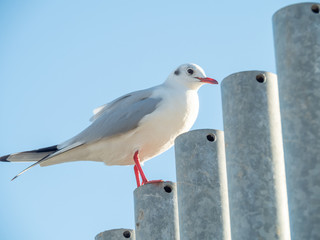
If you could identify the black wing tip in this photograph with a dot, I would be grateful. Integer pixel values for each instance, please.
(46, 149)
(40, 150)
(5, 158)
(14, 178)
(36, 163)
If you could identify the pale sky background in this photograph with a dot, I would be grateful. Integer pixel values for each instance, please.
(61, 59)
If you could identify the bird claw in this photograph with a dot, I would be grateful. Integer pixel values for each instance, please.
(152, 182)
(138, 169)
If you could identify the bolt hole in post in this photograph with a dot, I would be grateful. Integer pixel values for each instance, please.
(261, 78)
(211, 137)
(315, 8)
(168, 189)
(126, 234)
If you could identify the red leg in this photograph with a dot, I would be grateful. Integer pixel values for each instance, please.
(138, 169)
(136, 173)
(137, 162)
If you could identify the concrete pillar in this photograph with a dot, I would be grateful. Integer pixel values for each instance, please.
(297, 49)
(254, 153)
(156, 212)
(202, 185)
(116, 234)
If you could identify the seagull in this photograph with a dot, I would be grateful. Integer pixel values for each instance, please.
(132, 128)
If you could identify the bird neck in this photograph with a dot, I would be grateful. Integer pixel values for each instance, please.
(182, 86)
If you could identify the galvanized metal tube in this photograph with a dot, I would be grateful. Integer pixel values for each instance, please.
(202, 185)
(254, 153)
(156, 212)
(116, 234)
(297, 48)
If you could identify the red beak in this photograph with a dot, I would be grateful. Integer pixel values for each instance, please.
(208, 80)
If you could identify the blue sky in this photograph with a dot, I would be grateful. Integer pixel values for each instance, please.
(61, 59)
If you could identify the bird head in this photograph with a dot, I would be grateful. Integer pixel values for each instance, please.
(191, 76)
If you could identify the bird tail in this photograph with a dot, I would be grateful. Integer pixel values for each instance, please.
(37, 155)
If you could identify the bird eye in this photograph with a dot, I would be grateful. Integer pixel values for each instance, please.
(190, 71)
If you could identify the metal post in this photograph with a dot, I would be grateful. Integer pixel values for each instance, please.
(116, 234)
(202, 185)
(297, 48)
(156, 212)
(254, 153)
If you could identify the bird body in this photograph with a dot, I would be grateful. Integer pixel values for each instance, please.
(141, 124)
(154, 134)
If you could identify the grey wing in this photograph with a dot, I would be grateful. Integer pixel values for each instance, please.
(118, 116)
(100, 110)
